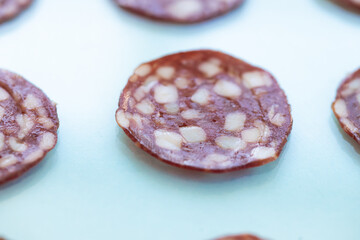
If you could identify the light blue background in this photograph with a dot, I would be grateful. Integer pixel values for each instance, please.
(97, 185)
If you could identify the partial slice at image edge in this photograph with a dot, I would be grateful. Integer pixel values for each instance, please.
(9, 9)
(346, 106)
(180, 11)
(28, 125)
(241, 237)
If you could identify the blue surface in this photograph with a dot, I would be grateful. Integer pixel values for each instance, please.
(97, 185)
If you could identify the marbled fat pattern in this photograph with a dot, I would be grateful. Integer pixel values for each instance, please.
(28, 125)
(205, 110)
(347, 105)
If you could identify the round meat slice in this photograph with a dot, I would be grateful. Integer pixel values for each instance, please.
(28, 125)
(347, 105)
(181, 11)
(11, 8)
(205, 110)
(240, 237)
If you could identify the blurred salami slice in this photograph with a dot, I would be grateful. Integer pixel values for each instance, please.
(28, 125)
(181, 11)
(11, 8)
(347, 105)
(351, 3)
(240, 237)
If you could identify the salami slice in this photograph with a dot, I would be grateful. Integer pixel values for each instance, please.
(28, 125)
(240, 237)
(11, 8)
(205, 110)
(355, 3)
(350, 3)
(181, 11)
(347, 105)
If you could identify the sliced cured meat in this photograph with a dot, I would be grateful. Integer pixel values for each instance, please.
(11, 8)
(28, 125)
(205, 110)
(182, 11)
(355, 3)
(240, 237)
(350, 3)
(347, 105)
